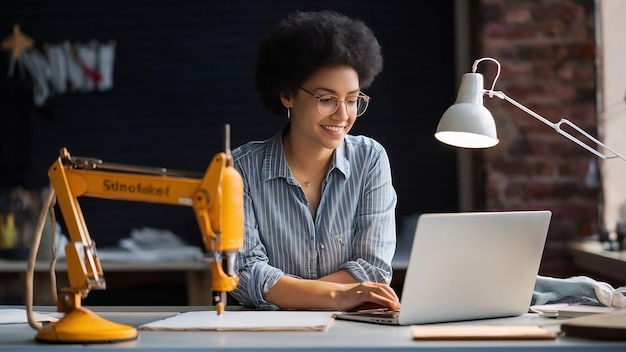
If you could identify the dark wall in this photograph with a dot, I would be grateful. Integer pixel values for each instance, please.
(185, 68)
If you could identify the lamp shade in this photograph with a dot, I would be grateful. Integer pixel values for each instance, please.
(468, 123)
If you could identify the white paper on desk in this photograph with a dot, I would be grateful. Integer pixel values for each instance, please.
(245, 320)
(564, 310)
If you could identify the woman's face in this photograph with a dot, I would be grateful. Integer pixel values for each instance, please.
(310, 126)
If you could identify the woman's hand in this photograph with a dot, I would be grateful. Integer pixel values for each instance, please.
(367, 295)
(294, 293)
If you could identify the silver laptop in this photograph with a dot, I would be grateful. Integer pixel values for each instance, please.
(467, 266)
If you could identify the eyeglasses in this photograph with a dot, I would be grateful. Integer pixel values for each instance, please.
(328, 104)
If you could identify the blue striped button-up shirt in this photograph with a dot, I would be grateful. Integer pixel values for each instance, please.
(354, 228)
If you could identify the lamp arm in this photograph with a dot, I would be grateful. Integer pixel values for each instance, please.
(557, 127)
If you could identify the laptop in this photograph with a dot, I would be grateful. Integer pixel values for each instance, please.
(468, 266)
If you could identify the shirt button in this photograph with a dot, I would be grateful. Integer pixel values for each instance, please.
(322, 246)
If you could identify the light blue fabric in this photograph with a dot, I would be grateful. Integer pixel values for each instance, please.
(576, 289)
(354, 228)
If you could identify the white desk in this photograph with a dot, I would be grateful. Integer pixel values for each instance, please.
(341, 336)
(592, 256)
(197, 276)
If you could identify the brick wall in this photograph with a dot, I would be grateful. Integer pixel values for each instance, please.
(547, 52)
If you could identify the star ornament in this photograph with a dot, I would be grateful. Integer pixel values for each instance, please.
(17, 42)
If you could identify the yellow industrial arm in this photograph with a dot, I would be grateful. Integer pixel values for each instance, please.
(216, 199)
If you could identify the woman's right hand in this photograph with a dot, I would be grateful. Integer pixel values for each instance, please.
(367, 295)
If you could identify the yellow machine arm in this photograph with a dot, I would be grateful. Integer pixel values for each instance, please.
(216, 199)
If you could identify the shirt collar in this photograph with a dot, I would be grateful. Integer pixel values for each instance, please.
(275, 162)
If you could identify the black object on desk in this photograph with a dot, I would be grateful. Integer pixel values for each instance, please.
(605, 326)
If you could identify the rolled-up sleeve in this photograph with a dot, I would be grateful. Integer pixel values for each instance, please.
(256, 276)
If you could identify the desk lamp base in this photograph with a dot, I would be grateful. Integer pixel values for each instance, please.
(84, 326)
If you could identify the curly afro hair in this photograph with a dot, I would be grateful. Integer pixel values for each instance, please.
(303, 42)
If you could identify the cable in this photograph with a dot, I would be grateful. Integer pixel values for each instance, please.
(32, 257)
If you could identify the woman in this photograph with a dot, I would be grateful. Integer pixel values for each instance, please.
(319, 203)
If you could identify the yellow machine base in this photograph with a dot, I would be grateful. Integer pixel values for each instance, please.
(84, 326)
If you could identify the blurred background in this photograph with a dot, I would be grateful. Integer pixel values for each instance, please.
(176, 72)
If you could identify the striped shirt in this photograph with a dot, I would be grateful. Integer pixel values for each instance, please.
(354, 228)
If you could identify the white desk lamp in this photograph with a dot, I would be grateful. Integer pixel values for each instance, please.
(468, 124)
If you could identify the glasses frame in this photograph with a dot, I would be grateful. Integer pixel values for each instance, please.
(362, 95)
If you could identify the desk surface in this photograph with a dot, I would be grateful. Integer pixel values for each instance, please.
(341, 336)
(591, 256)
(196, 275)
(41, 265)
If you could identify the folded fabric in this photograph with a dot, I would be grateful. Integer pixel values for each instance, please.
(577, 289)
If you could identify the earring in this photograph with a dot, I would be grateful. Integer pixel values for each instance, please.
(288, 113)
